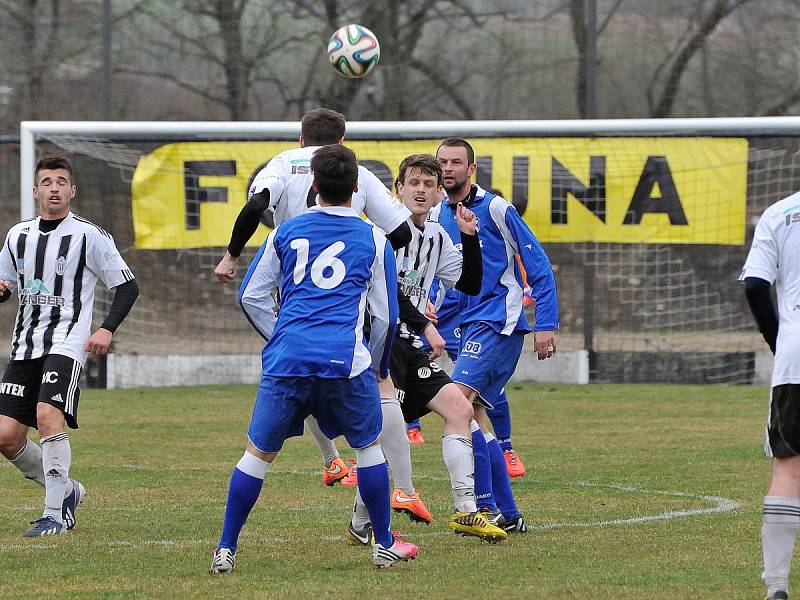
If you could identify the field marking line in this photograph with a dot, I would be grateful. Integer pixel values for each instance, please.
(719, 505)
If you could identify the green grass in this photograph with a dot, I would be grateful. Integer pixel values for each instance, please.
(156, 464)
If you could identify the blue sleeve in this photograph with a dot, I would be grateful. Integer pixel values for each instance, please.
(539, 272)
(382, 304)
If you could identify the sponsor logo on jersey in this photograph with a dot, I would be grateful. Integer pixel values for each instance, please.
(457, 332)
(472, 347)
(792, 219)
(12, 389)
(36, 292)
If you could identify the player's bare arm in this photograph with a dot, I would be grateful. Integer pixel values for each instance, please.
(435, 340)
(544, 344)
(430, 313)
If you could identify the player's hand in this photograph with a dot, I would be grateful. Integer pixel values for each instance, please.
(544, 344)
(99, 342)
(5, 284)
(467, 223)
(435, 341)
(430, 313)
(225, 271)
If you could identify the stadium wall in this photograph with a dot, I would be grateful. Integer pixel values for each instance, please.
(136, 370)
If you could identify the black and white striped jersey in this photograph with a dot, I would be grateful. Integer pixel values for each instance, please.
(430, 254)
(55, 274)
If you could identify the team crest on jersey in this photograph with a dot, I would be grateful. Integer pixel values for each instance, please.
(457, 333)
(423, 372)
(61, 265)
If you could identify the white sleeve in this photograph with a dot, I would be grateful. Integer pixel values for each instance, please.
(762, 260)
(272, 178)
(255, 295)
(450, 260)
(105, 261)
(380, 206)
(382, 303)
(7, 270)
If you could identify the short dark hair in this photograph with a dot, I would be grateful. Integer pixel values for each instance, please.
(322, 127)
(459, 142)
(52, 162)
(426, 163)
(335, 171)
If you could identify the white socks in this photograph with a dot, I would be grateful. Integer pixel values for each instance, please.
(457, 454)
(326, 446)
(29, 461)
(778, 534)
(56, 460)
(394, 442)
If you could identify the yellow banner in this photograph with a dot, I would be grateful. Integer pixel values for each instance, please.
(627, 190)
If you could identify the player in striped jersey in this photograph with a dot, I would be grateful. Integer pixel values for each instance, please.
(54, 262)
(329, 266)
(418, 385)
(493, 324)
(281, 190)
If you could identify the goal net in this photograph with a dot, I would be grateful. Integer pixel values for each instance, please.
(647, 224)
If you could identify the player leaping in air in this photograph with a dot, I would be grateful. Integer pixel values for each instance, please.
(329, 265)
(283, 190)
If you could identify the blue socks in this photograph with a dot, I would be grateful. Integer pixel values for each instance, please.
(242, 496)
(484, 498)
(245, 486)
(500, 416)
(373, 485)
(501, 483)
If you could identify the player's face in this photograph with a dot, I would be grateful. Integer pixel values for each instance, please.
(53, 192)
(457, 169)
(419, 192)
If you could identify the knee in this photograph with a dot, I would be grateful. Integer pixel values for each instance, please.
(11, 440)
(460, 409)
(49, 419)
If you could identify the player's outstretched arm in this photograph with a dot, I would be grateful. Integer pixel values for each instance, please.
(244, 227)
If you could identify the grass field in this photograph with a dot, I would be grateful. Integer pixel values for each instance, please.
(632, 492)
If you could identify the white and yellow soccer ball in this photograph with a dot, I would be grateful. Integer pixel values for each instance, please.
(353, 51)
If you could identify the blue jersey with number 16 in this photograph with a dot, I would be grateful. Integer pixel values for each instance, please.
(329, 266)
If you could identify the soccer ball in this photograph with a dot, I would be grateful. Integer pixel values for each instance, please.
(353, 50)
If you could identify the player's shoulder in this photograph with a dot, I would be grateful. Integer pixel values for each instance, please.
(786, 206)
(22, 226)
(88, 227)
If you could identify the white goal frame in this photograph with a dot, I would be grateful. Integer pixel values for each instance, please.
(720, 126)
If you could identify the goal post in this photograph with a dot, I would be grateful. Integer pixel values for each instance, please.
(655, 213)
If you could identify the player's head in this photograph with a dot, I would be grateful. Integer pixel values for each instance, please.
(418, 183)
(335, 170)
(322, 127)
(53, 186)
(457, 159)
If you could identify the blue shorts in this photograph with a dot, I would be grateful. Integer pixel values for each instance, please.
(487, 360)
(451, 334)
(348, 407)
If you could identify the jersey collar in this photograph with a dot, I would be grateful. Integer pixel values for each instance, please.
(341, 211)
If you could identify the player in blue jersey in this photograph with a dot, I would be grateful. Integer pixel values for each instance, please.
(418, 385)
(281, 190)
(493, 324)
(329, 266)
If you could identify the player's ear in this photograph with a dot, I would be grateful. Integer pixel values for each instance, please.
(471, 168)
(314, 186)
(355, 186)
(73, 189)
(301, 141)
(341, 140)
